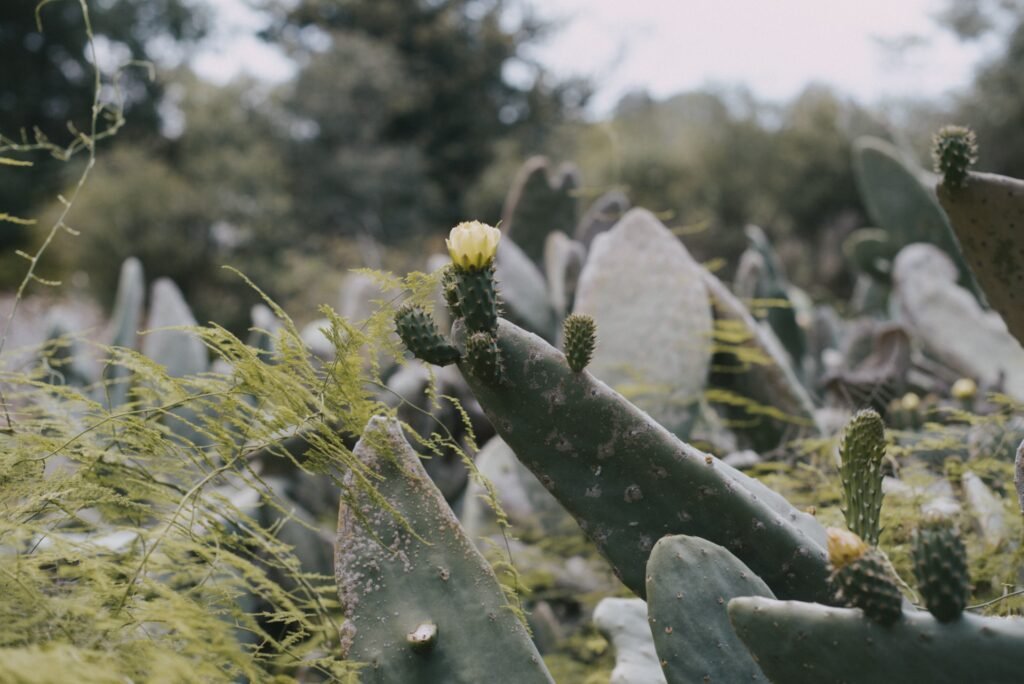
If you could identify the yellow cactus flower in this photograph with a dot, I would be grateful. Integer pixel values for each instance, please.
(844, 546)
(910, 402)
(964, 389)
(472, 245)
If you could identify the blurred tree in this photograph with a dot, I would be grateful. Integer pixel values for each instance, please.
(216, 195)
(47, 87)
(409, 92)
(994, 105)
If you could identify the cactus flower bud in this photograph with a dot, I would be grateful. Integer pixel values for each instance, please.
(472, 245)
(844, 547)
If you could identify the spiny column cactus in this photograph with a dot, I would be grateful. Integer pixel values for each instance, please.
(862, 578)
(940, 567)
(954, 151)
(862, 449)
(420, 335)
(580, 338)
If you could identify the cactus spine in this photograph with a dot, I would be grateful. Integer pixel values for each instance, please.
(861, 450)
(580, 338)
(940, 566)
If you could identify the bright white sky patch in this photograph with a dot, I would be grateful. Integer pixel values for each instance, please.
(773, 47)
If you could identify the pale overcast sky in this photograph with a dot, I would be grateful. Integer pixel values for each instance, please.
(774, 47)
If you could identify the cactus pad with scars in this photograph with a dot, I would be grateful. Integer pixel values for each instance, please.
(628, 481)
(861, 450)
(422, 605)
(420, 335)
(988, 217)
(690, 582)
(807, 643)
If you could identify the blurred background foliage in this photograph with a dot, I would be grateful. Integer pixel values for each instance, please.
(406, 116)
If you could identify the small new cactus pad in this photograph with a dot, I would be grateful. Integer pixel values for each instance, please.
(940, 566)
(450, 291)
(483, 357)
(954, 151)
(868, 584)
(861, 450)
(580, 338)
(420, 335)
(477, 299)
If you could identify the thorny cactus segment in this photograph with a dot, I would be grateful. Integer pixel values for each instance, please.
(940, 566)
(580, 340)
(628, 482)
(867, 583)
(420, 335)
(861, 450)
(477, 297)
(484, 357)
(450, 291)
(472, 245)
(954, 151)
(421, 604)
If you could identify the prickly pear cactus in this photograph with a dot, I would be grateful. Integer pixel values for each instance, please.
(954, 152)
(624, 622)
(645, 292)
(179, 351)
(690, 582)
(867, 583)
(420, 335)
(861, 452)
(421, 604)
(524, 295)
(940, 567)
(987, 214)
(604, 213)
(580, 334)
(563, 263)
(807, 643)
(542, 200)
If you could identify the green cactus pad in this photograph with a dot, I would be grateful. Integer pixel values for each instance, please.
(940, 566)
(867, 583)
(807, 643)
(689, 584)
(478, 298)
(954, 152)
(420, 335)
(422, 605)
(628, 482)
(483, 356)
(862, 450)
(450, 291)
(542, 199)
(580, 338)
(988, 217)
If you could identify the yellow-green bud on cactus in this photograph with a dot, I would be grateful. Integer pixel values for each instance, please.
(472, 245)
(580, 338)
(484, 357)
(861, 450)
(954, 151)
(964, 390)
(940, 566)
(844, 547)
(867, 583)
(450, 290)
(420, 335)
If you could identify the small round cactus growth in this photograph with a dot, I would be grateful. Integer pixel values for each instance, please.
(955, 151)
(862, 578)
(940, 566)
(580, 339)
(484, 357)
(420, 335)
